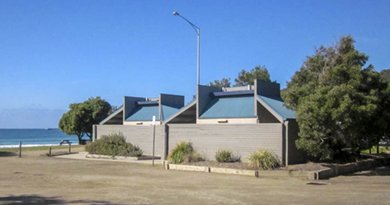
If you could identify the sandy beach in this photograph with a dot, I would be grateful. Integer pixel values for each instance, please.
(44, 180)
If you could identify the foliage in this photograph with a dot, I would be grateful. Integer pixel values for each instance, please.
(385, 74)
(244, 78)
(338, 102)
(249, 77)
(224, 82)
(113, 145)
(264, 159)
(184, 152)
(81, 116)
(226, 156)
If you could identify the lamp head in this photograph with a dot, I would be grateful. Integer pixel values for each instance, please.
(175, 13)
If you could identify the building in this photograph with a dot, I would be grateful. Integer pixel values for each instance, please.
(240, 119)
(135, 118)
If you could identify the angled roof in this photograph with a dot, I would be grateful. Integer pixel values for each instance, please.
(144, 113)
(113, 115)
(277, 106)
(230, 107)
(181, 111)
(168, 111)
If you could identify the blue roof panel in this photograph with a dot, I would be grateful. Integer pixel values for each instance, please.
(144, 113)
(168, 111)
(230, 107)
(279, 107)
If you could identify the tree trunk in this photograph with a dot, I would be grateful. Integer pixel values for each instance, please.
(89, 135)
(80, 139)
(377, 145)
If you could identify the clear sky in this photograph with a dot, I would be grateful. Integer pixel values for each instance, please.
(53, 53)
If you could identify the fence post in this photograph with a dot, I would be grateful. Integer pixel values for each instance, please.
(20, 149)
(49, 151)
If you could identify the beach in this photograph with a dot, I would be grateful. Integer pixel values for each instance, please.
(48, 180)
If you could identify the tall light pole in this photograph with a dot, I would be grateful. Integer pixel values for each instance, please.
(197, 30)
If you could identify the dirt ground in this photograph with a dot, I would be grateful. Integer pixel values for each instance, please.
(38, 179)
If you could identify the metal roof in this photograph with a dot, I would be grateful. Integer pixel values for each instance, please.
(144, 113)
(230, 107)
(181, 111)
(279, 107)
(113, 115)
(168, 111)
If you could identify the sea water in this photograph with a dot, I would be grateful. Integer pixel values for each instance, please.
(33, 137)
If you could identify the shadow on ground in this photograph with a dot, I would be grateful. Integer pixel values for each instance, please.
(36, 199)
(7, 154)
(379, 171)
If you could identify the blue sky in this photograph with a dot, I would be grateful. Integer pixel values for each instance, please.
(53, 53)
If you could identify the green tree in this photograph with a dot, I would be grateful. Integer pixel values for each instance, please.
(385, 74)
(248, 77)
(336, 99)
(224, 82)
(81, 116)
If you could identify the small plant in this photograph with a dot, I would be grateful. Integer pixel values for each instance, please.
(226, 156)
(113, 145)
(264, 159)
(184, 152)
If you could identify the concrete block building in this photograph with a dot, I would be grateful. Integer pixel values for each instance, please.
(135, 117)
(240, 119)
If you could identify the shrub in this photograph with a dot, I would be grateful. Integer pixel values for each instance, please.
(226, 156)
(264, 159)
(184, 152)
(113, 145)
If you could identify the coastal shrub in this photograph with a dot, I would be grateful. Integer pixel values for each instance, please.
(264, 159)
(114, 145)
(226, 156)
(184, 152)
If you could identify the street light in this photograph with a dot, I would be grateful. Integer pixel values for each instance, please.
(197, 30)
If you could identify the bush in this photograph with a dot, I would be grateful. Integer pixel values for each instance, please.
(264, 159)
(113, 145)
(226, 156)
(184, 152)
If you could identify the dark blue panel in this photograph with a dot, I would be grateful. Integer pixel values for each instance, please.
(147, 103)
(233, 93)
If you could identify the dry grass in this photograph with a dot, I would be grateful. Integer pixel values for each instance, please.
(37, 178)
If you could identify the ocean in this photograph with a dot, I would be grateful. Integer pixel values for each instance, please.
(33, 137)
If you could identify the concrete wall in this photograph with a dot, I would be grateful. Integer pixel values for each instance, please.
(241, 139)
(268, 89)
(204, 97)
(137, 135)
(227, 121)
(176, 101)
(294, 155)
(264, 115)
(129, 104)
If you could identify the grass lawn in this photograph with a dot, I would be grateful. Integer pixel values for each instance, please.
(38, 179)
(40, 148)
(382, 149)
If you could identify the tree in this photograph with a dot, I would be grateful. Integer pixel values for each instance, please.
(336, 99)
(249, 77)
(385, 74)
(81, 116)
(224, 82)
